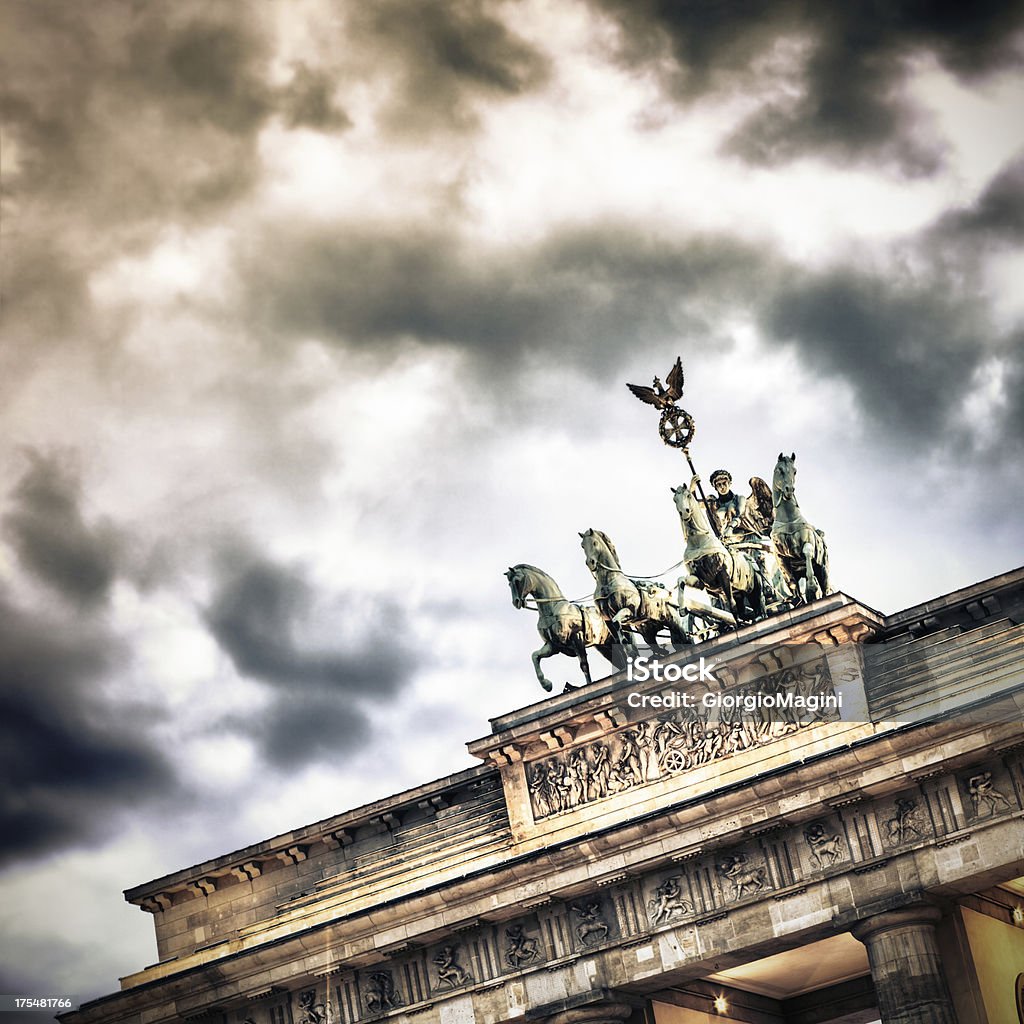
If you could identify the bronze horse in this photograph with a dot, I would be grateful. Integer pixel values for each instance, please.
(565, 628)
(799, 547)
(628, 604)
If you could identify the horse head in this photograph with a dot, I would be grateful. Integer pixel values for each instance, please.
(515, 581)
(600, 551)
(686, 501)
(692, 514)
(784, 477)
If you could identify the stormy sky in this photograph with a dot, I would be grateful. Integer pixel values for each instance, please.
(317, 317)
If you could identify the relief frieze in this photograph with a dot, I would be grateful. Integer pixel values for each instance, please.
(691, 735)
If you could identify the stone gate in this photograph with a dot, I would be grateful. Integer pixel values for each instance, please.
(667, 853)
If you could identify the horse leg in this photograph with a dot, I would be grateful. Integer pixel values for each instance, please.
(724, 584)
(581, 654)
(649, 632)
(677, 629)
(612, 652)
(755, 595)
(812, 591)
(821, 565)
(792, 580)
(543, 652)
(617, 624)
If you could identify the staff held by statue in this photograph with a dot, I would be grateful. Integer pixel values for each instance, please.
(676, 425)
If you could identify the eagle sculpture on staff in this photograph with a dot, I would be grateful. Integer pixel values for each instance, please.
(659, 395)
(676, 425)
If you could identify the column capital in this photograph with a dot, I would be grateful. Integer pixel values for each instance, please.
(906, 966)
(593, 1013)
(914, 915)
(601, 1006)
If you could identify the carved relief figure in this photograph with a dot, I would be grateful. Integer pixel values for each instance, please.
(630, 755)
(668, 902)
(905, 823)
(312, 1012)
(601, 775)
(382, 996)
(742, 875)
(449, 972)
(621, 776)
(984, 793)
(826, 847)
(580, 767)
(521, 948)
(537, 781)
(591, 928)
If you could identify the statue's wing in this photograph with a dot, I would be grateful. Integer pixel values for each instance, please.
(760, 507)
(674, 382)
(648, 395)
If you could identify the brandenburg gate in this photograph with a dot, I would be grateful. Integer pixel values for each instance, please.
(799, 811)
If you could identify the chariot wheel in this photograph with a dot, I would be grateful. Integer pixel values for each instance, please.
(676, 427)
(674, 761)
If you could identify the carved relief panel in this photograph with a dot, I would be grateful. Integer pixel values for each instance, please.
(740, 718)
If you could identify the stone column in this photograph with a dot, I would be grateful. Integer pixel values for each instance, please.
(905, 965)
(593, 1013)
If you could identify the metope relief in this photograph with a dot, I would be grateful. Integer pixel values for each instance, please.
(381, 995)
(668, 902)
(905, 822)
(744, 876)
(985, 798)
(739, 719)
(591, 926)
(450, 973)
(521, 949)
(826, 846)
(310, 1010)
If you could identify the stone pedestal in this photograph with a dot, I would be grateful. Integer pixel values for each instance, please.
(905, 966)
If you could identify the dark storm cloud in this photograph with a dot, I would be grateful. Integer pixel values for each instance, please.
(305, 727)
(996, 217)
(308, 101)
(259, 615)
(121, 112)
(908, 345)
(70, 758)
(1013, 389)
(591, 292)
(843, 79)
(45, 526)
(442, 58)
(909, 349)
